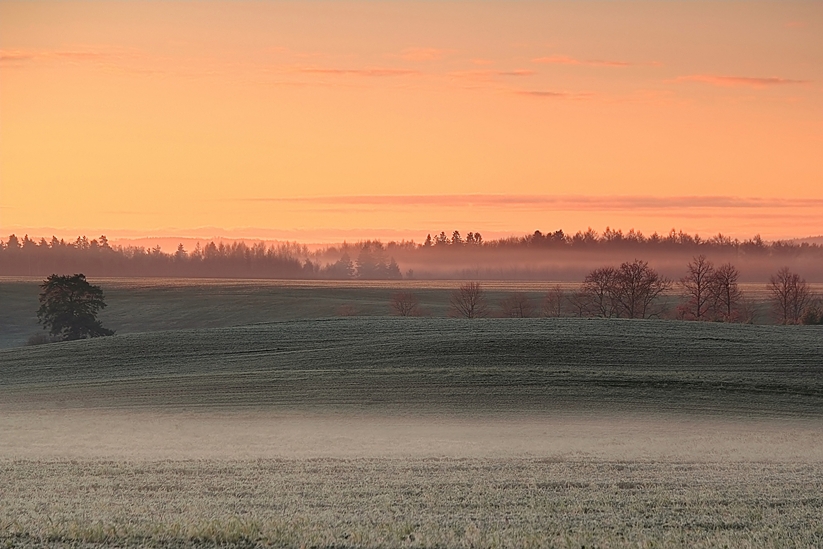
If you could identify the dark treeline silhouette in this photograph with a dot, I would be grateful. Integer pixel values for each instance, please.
(568, 257)
(617, 239)
(26, 257)
(554, 256)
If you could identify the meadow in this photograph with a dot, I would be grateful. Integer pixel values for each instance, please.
(154, 304)
(417, 432)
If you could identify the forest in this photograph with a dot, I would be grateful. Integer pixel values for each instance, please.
(549, 256)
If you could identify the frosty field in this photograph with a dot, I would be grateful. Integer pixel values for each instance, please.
(153, 304)
(417, 432)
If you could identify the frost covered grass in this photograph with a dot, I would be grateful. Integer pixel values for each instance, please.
(152, 304)
(425, 365)
(417, 432)
(363, 502)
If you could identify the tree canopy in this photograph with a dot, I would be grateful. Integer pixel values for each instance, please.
(69, 307)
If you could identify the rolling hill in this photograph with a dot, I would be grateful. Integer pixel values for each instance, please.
(430, 365)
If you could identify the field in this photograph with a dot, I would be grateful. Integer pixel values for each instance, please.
(154, 304)
(417, 432)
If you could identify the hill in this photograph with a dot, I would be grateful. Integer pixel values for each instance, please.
(431, 365)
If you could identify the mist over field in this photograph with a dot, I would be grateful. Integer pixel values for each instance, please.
(418, 432)
(551, 256)
(402, 274)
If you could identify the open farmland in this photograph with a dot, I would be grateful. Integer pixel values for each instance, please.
(417, 432)
(430, 365)
(153, 304)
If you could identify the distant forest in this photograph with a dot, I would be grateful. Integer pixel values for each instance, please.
(549, 256)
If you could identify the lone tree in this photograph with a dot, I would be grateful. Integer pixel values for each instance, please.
(790, 296)
(697, 288)
(517, 305)
(637, 287)
(69, 307)
(469, 301)
(405, 304)
(726, 294)
(599, 293)
(553, 302)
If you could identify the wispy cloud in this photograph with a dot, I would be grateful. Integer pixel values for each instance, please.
(490, 75)
(556, 202)
(10, 56)
(552, 94)
(566, 60)
(516, 72)
(736, 81)
(423, 54)
(22, 55)
(374, 71)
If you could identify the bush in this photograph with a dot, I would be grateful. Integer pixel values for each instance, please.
(41, 338)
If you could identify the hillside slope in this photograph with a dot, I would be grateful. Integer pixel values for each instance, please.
(431, 365)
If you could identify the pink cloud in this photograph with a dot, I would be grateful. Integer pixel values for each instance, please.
(732, 81)
(566, 60)
(550, 94)
(32, 55)
(516, 72)
(488, 75)
(15, 55)
(422, 54)
(359, 72)
(558, 202)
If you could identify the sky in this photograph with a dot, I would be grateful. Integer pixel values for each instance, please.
(323, 121)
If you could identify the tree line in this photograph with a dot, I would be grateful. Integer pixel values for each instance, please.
(370, 259)
(97, 257)
(618, 240)
(69, 304)
(633, 290)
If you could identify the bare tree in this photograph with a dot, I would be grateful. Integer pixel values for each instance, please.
(405, 304)
(469, 301)
(553, 302)
(637, 287)
(814, 311)
(790, 296)
(725, 294)
(599, 289)
(697, 285)
(517, 305)
(579, 302)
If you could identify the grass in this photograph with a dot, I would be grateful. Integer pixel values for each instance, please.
(425, 365)
(416, 432)
(411, 503)
(145, 305)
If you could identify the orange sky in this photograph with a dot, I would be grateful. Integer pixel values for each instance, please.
(314, 120)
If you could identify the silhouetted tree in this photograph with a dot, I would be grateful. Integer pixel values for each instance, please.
(517, 305)
(725, 294)
(469, 301)
(579, 303)
(599, 289)
(553, 302)
(637, 287)
(69, 307)
(697, 285)
(393, 270)
(790, 296)
(814, 312)
(342, 268)
(405, 304)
